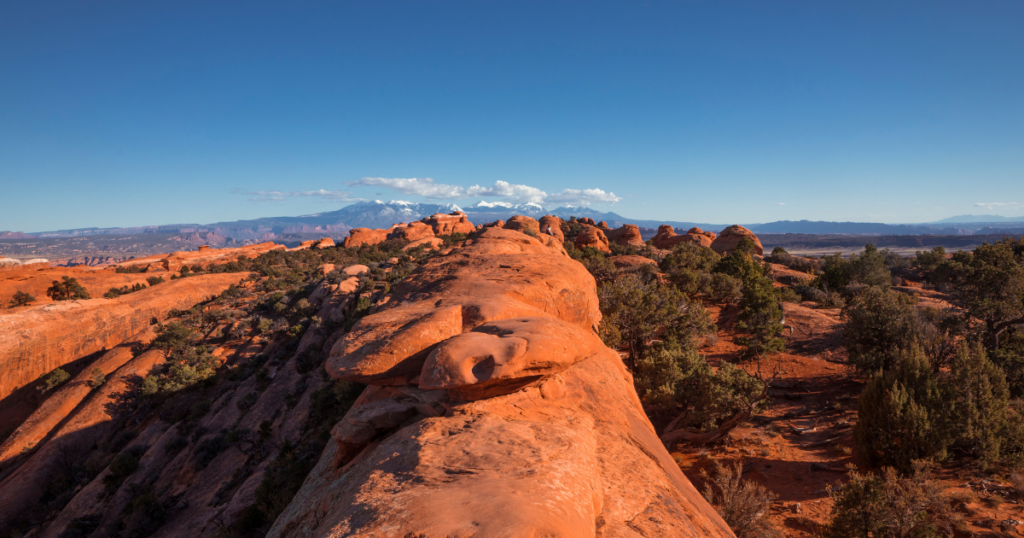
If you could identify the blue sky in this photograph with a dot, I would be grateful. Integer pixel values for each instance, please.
(132, 113)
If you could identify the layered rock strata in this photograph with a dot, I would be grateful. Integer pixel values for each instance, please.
(38, 339)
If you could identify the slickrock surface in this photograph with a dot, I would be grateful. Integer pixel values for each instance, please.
(35, 281)
(27, 484)
(37, 339)
(493, 410)
(730, 237)
(204, 256)
(57, 407)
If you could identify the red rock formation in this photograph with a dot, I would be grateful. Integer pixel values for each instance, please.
(521, 224)
(627, 235)
(411, 232)
(603, 225)
(456, 222)
(38, 339)
(697, 231)
(27, 484)
(326, 242)
(667, 238)
(358, 237)
(592, 236)
(731, 236)
(552, 225)
(205, 257)
(432, 243)
(630, 262)
(494, 410)
(57, 407)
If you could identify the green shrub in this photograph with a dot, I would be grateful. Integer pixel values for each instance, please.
(53, 380)
(725, 289)
(144, 514)
(907, 413)
(154, 280)
(113, 293)
(989, 286)
(174, 336)
(96, 378)
(21, 298)
(880, 325)
(121, 467)
(130, 269)
(976, 399)
(638, 306)
(760, 318)
(66, 289)
(691, 257)
(786, 295)
(891, 506)
(929, 260)
(899, 415)
(673, 379)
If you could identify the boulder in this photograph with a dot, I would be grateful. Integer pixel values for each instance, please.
(627, 235)
(592, 236)
(326, 242)
(730, 237)
(552, 226)
(520, 223)
(355, 270)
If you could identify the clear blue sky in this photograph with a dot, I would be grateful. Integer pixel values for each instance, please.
(132, 113)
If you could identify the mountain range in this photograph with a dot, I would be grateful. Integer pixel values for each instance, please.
(379, 214)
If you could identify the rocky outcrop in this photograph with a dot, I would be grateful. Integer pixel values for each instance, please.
(520, 223)
(205, 257)
(413, 231)
(57, 407)
(667, 238)
(431, 243)
(25, 486)
(627, 235)
(552, 225)
(435, 225)
(592, 236)
(697, 231)
(631, 262)
(38, 339)
(358, 237)
(494, 410)
(730, 237)
(456, 222)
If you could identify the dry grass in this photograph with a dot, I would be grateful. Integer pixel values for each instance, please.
(744, 505)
